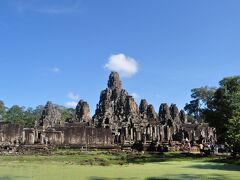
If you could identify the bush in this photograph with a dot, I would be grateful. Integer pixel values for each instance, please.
(138, 146)
(152, 146)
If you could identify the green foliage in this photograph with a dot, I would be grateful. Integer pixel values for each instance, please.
(27, 117)
(106, 165)
(233, 132)
(193, 109)
(138, 146)
(15, 115)
(204, 94)
(20, 115)
(66, 113)
(2, 110)
(191, 119)
(224, 107)
(219, 107)
(201, 96)
(32, 115)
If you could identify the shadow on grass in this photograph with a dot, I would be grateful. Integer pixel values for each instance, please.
(168, 177)
(187, 176)
(228, 160)
(164, 157)
(216, 166)
(106, 178)
(10, 177)
(159, 157)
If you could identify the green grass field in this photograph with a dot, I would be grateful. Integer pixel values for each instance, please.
(104, 165)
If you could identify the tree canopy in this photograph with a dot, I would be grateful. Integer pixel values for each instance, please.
(219, 107)
(201, 96)
(2, 110)
(28, 116)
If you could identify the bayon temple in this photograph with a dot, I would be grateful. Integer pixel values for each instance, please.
(118, 121)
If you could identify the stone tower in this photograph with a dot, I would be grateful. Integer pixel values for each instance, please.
(83, 112)
(50, 116)
(116, 109)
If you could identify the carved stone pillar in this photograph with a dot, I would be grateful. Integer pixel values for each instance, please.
(168, 133)
(41, 139)
(158, 133)
(155, 132)
(151, 132)
(162, 133)
(132, 137)
(138, 135)
(190, 136)
(144, 138)
(126, 133)
(31, 138)
(23, 135)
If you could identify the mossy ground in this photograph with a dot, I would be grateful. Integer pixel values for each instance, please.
(99, 165)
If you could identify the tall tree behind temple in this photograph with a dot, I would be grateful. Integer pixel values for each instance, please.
(32, 115)
(201, 96)
(20, 115)
(224, 107)
(15, 115)
(233, 129)
(2, 110)
(67, 114)
(220, 107)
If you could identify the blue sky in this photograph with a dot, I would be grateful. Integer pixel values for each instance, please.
(60, 50)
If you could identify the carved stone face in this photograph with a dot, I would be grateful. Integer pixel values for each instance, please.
(133, 107)
(50, 116)
(164, 112)
(114, 81)
(143, 106)
(82, 111)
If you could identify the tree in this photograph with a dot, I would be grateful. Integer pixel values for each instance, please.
(37, 112)
(2, 110)
(219, 107)
(223, 110)
(15, 115)
(30, 117)
(201, 96)
(233, 130)
(66, 113)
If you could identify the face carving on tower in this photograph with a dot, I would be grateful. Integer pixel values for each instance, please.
(114, 81)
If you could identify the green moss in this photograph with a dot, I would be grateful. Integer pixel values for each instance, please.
(164, 170)
(95, 165)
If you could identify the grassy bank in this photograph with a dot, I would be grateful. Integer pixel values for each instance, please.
(105, 158)
(99, 165)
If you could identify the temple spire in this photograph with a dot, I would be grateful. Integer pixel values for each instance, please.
(114, 81)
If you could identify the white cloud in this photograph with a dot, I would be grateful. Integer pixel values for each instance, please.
(55, 70)
(135, 95)
(71, 104)
(125, 66)
(73, 100)
(73, 96)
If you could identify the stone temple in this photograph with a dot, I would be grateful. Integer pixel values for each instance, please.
(118, 121)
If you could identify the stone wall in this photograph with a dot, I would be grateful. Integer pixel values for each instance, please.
(117, 120)
(29, 135)
(11, 133)
(86, 136)
(70, 134)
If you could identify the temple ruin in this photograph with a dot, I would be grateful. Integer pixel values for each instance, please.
(118, 121)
